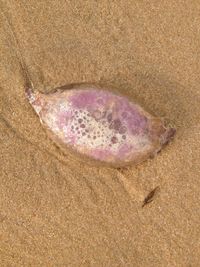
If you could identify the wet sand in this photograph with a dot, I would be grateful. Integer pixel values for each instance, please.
(56, 211)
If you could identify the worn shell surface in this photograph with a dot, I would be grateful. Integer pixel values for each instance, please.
(100, 125)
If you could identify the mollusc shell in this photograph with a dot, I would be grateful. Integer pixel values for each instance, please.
(99, 125)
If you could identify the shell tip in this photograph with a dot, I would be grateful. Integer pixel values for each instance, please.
(168, 135)
(30, 94)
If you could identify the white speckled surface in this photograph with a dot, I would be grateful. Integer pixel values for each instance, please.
(100, 125)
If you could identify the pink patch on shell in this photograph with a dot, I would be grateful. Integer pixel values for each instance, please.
(125, 150)
(86, 98)
(101, 154)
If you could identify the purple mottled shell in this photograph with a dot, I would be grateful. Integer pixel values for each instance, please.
(100, 125)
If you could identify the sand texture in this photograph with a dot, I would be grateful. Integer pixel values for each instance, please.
(56, 211)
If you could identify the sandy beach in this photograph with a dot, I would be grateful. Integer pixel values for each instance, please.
(56, 211)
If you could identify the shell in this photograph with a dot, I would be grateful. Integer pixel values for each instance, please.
(99, 125)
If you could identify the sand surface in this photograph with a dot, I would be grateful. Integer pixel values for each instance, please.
(55, 211)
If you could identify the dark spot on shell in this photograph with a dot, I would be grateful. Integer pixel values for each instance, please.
(83, 133)
(82, 125)
(117, 124)
(111, 126)
(94, 137)
(103, 114)
(114, 140)
(77, 128)
(122, 130)
(124, 137)
(109, 117)
(87, 131)
(80, 120)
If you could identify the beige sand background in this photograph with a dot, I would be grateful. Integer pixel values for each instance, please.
(55, 211)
